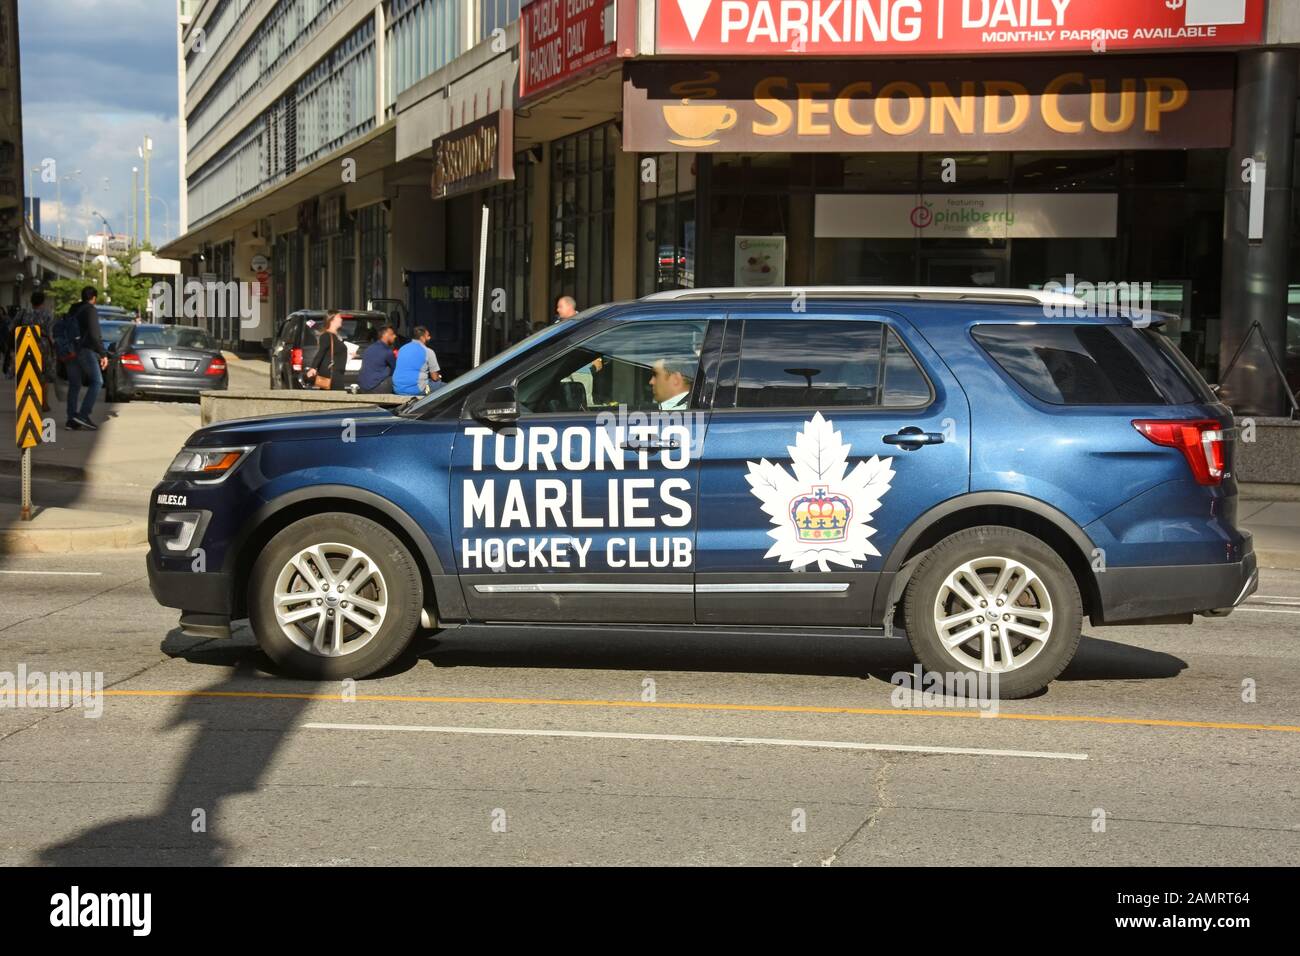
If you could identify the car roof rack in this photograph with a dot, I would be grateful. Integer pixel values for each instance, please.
(930, 293)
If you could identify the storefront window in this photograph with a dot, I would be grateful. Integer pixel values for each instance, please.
(345, 261)
(316, 275)
(293, 270)
(510, 238)
(582, 215)
(666, 217)
(280, 278)
(372, 223)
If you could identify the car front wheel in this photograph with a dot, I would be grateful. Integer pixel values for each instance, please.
(996, 602)
(333, 596)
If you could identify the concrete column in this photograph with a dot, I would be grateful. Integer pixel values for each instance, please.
(1255, 271)
(381, 64)
(626, 191)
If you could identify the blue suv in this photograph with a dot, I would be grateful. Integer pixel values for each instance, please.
(961, 465)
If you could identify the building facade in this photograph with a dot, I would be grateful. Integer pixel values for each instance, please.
(621, 147)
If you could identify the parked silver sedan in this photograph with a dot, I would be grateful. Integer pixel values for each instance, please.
(164, 360)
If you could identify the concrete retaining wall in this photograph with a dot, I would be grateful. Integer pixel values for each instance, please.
(224, 406)
(1274, 456)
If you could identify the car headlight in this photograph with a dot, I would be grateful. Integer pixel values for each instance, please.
(206, 465)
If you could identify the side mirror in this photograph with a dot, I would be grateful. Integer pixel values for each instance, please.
(498, 407)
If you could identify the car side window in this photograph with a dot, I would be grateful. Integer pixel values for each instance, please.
(640, 365)
(811, 363)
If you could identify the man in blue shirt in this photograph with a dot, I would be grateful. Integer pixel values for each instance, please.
(378, 363)
(417, 367)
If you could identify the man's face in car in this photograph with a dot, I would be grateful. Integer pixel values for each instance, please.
(665, 384)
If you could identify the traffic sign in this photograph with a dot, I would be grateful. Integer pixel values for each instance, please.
(30, 390)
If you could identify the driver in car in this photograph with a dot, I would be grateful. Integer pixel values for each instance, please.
(670, 382)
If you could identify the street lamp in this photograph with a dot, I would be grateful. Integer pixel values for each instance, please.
(135, 205)
(103, 256)
(145, 152)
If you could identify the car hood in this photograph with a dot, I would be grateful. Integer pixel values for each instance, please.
(331, 425)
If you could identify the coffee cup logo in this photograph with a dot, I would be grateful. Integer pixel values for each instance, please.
(697, 123)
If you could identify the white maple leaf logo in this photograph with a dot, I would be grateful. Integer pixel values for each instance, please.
(820, 512)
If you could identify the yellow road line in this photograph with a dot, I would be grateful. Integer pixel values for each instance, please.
(671, 705)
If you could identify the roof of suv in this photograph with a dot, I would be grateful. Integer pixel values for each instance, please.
(932, 293)
(1065, 305)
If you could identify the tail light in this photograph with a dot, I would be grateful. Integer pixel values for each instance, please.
(216, 367)
(295, 359)
(131, 362)
(1200, 441)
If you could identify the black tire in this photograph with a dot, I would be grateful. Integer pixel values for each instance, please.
(923, 591)
(402, 584)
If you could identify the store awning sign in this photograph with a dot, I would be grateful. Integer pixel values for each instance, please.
(966, 216)
(950, 27)
(475, 156)
(560, 39)
(844, 106)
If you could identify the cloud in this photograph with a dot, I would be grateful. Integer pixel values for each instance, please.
(97, 77)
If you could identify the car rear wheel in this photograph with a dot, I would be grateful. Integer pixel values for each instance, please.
(334, 596)
(994, 601)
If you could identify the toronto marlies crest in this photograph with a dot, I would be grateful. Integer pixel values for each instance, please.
(820, 512)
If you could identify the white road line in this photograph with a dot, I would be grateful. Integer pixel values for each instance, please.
(692, 739)
(1266, 610)
(86, 574)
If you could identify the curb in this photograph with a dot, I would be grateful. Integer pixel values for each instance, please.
(123, 533)
(1278, 560)
(45, 471)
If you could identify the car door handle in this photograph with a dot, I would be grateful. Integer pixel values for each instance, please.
(653, 444)
(912, 438)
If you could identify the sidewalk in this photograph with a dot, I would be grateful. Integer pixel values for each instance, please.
(133, 446)
(1276, 527)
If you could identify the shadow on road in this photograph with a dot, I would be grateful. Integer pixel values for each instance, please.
(679, 650)
(219, 765)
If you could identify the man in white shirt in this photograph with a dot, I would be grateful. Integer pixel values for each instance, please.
(670, 384)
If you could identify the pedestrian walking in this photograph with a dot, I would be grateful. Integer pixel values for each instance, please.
(326, 368)
(86, 369)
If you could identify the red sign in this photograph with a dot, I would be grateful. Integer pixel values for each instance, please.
(911, 27)
(560, 39)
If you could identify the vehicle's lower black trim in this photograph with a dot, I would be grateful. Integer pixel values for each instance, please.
(1130, 594)
(206, 592)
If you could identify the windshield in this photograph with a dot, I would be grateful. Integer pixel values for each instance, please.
(174, 336)
(458, 386)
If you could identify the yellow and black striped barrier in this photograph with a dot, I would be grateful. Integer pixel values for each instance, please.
(28, 366)
(30, 398)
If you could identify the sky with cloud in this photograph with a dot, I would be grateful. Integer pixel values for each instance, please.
(97, 77)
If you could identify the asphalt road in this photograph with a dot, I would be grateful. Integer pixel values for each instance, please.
(566, 746)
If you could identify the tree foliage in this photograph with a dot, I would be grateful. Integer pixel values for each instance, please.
(129, 292)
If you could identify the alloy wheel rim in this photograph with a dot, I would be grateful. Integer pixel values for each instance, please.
(993, 614)
(330, 599)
